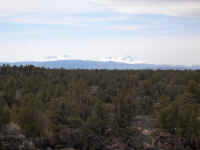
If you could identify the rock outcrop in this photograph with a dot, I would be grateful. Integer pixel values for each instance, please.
(11, 138)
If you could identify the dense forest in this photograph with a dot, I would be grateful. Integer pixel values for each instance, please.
(96, 109)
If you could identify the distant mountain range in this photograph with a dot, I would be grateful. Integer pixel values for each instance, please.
(110, 63)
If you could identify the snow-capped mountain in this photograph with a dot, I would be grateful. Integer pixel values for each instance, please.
(55, 58)
(109, 63)
(126, 59)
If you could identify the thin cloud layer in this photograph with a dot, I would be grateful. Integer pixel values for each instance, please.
(46, 6)
(59, 19)
(75, 12)
(159, 7)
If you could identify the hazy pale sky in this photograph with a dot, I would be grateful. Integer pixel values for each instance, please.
(153, 31)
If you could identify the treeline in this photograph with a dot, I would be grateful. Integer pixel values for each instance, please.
(42, 101)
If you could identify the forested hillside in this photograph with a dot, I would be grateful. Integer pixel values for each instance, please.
(101, 109)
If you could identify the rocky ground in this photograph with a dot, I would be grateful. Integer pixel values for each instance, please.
(139, 137)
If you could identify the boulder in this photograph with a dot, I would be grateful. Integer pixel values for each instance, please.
(12, 129)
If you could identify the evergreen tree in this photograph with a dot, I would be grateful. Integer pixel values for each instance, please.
(4, 113)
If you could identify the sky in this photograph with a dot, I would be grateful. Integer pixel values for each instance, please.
(152, 31)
